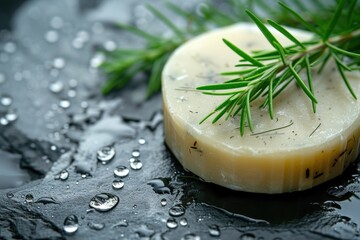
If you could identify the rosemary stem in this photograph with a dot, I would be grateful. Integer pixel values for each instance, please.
(322, 45)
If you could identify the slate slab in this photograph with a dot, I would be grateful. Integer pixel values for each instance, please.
(60, 132)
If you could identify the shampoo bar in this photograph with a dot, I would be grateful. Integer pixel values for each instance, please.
(297, 150)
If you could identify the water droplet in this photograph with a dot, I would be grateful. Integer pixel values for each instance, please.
(71, 224)
(247, 236)
(96, 226)
(141, 141)
(136, 164)
(121, 171)
(11, 115)
(10, 195)
(84, 104)
(106, 153)
(29, 198)
(104, 202)
(110, 46)
(142, 16)
(183, 222)
(77, 43)
(59, 63)
(64, 103)
(214, 231)
(56, 87)
(73, 83)
(46, 200)
(18, 76)
(122, 223)
(118, 184)
(160, 185)
(45, 158)
(97, 60)
(331, 204)
(177, 210)
(51, 36)
(83, 35)
(191, 236)
(6, 100)
(71, 93)
(64, 174)
(90, 210)
(81, 38)
(163, 202)
(202, 9)
(56, 22)
(135, 153)
(4, 121)
(67, 186)
(10, 47)
(338, 191)
(171, 223)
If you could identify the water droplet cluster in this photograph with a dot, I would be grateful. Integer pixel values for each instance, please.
(107, 153)
(11, 114)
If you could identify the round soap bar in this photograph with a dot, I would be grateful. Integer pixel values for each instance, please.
(297, 150)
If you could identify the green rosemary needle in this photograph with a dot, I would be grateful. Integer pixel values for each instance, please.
(268, 73)
(122, 65)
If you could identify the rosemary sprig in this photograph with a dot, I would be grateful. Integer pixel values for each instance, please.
(122, 65)
(268, 73)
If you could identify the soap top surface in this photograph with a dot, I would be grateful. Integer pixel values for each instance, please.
(294, 126)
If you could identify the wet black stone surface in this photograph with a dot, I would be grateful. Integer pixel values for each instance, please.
(47, 139)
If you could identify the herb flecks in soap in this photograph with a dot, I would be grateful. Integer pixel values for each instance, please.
(266, 73)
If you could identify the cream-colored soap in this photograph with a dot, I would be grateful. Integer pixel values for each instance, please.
(306, 150)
